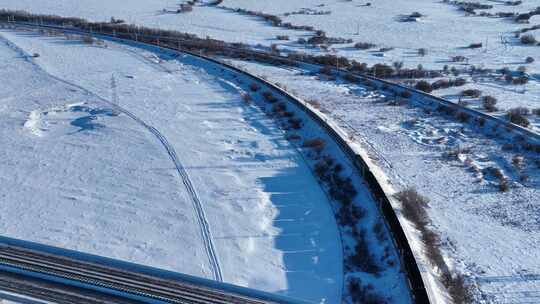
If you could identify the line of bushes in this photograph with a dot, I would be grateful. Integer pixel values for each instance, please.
(340, 189)
(191, 42)
(415, 210)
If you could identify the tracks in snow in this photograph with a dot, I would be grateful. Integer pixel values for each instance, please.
(182, 173)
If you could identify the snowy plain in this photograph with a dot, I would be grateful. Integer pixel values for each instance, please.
(490, 236)
(443, 31)
(78, 174)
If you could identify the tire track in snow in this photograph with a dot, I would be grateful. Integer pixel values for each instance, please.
(201, 216)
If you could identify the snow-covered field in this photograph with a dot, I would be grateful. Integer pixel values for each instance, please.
(203, 20)
(443, 31)
(490, 236)
(79, 173)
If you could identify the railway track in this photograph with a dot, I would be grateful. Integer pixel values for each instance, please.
(134, 283)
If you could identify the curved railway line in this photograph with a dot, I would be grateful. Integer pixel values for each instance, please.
(160, 290)
(182, 293)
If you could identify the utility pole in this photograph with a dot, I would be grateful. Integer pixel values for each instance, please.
(114, 95)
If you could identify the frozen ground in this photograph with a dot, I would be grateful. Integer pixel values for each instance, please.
(490, 236)
(77, 172)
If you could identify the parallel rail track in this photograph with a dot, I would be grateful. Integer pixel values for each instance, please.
(140, 284)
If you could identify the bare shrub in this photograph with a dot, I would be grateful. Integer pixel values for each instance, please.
(398, 65)
(518, 161)
(279, 107)
(504, 186)
(489, 103)
(458, 288)
(528, 39)
(458, 82)
(363, 294)
(422, 52)
(317, 144)
(520, 80)
(268, 96)
(414, 209)
(185, 8)
(463, 116)
(363, 259)
(493, 171)
(423, 85)
(458, 58)
(414, 206)
(481, 121)
(295, 123)
(405, 94)
(254, 87)
(364, 45)
(517, 116)
(529, 60)
(473, 93)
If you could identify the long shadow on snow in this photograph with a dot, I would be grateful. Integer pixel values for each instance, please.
(300, 226)
(301, 219)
